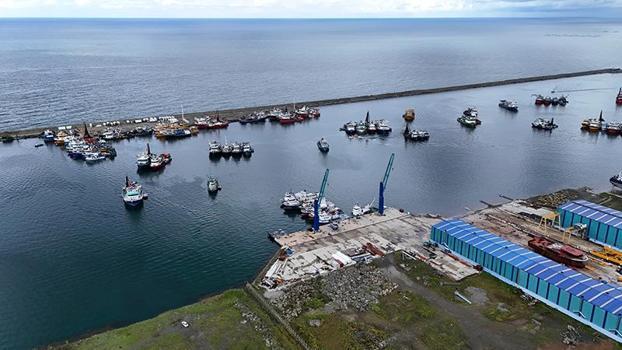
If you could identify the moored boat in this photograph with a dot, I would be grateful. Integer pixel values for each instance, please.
(613, 128)
(382, 127)
(215, 149)
(287, 118)
(561, 253)
(616, 180)
(350, 128)
(236, 149)
(416, 135)
(544, 124)
(143, 160)
(314, 112)
(226, 149)
(217, 124)
(302, 112)
(619, 98)
(508, 105)
(48, 136)
(539, 100)
(247, 149)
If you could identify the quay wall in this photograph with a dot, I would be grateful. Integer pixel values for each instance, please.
(235, 113)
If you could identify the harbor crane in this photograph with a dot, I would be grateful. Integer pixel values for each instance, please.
(318, 201)
(383, 185)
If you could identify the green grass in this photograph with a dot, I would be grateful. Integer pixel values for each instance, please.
(216, 322)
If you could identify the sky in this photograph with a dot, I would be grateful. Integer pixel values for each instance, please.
(307, 8)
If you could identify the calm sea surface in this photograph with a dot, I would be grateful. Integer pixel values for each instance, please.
(74, 260)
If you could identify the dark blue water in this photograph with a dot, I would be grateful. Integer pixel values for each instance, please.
(73, 260)
(58, 71)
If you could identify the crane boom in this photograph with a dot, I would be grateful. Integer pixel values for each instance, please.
(383, 185)
(316, 203)
(387, 173)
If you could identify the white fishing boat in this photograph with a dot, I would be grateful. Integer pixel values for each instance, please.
(212, 185)
(133, 195)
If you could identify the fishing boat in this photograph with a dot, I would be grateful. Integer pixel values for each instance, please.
(382, 127)
(350, 128)
(547, 101)
(357, 210)
(619, 98)
(508, 105)
(48, 136)
(236, 149)
(471, 112)
(416, 135)
(156, 162)
(409, 115)
(323, 145)
(143, 160)
(613, 128)
(562, 101)
(226, 149)
(212, 185)
(302, 112)
(539, 100)
(93, 157)
(561, 253)
(616, 180)
(274, 114)
(247, 150)
(361, 128)
(371, 128)
(217, 124)
(215, 149)
(133, 195)
(544, 124)
(314, 112)
(594, 124)
(286, 119)
(468, 122)
(201, 122)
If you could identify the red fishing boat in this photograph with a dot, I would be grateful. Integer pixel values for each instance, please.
(619, 98)
(539, 100)
(287, 118)
(561, 253)
(314, 112)
(217, 124)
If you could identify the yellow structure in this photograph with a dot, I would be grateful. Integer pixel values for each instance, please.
(608, 254)
(549, 220)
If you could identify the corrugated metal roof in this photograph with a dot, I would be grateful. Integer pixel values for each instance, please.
(595, 212)
(599, 293)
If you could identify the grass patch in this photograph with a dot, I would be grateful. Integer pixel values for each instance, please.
(216, 322)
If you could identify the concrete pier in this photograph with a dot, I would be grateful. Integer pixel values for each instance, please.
(235, 113)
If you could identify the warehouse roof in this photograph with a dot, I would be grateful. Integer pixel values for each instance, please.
(599, 293)
(595, 212)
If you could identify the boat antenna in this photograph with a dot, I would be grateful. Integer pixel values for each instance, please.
(86, 132)
(600, 118)
(367, 118)
(407, 130)
(127, 181)
(148, 149)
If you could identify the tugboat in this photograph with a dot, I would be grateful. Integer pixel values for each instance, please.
(214, 149)
(416, 135)
(619, 98)
(561, 253)
(616, 180)
(323, 145)
(409, 115)
(543, 124)
(212, 185)
(247, 150)
(133, 195)
(508, 105)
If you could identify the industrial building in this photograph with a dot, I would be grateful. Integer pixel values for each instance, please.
(604, 225)
(592, 302)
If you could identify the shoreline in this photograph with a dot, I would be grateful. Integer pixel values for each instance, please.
(233, 115)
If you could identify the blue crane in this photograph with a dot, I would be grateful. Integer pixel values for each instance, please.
(316, 203)
(383, 184)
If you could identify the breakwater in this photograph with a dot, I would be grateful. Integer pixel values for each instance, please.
(235, 113)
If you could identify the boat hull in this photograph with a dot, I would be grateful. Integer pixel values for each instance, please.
(560, 258)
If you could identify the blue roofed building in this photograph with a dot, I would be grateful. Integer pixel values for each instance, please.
(593, 302)
(604, 225)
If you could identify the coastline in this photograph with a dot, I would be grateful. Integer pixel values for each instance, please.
(233, 115)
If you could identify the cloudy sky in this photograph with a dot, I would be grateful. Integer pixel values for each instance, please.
(307, 8)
